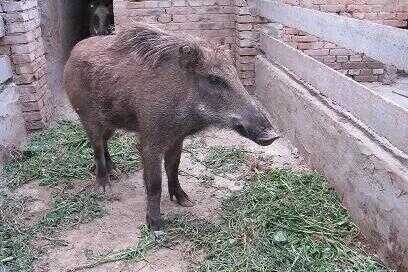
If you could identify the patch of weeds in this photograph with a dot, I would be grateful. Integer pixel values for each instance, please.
(220, 160)
(15, 236)
(70, 210)
(63, 153)
(136, 253)
(204, 179)
(54, 157)
(282, 221)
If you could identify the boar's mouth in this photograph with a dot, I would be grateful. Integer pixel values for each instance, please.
(264, 138)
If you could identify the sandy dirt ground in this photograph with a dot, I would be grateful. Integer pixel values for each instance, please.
(120, 227)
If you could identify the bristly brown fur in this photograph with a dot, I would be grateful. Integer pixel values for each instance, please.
(152, 45)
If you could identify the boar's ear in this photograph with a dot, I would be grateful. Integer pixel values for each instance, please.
(189, 56)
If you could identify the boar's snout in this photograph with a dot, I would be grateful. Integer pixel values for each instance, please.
(259, 130)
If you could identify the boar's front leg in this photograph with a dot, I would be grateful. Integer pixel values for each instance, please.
(152, 176)
(172, 162)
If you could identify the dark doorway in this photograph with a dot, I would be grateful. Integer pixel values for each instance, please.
(81, 19)
(101, 19)
(63, 24)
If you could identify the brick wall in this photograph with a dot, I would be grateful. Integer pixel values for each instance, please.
(353, 64)
(23, 44)
(231, 22)
(206, 18)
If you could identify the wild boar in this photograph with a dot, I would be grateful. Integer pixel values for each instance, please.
(165, 87)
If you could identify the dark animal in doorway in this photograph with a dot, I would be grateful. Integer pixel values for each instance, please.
(100, 17)
(165, 87)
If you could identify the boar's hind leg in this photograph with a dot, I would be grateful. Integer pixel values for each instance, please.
(109, 163)
(172, 162)
(152, 176)
(97, 142)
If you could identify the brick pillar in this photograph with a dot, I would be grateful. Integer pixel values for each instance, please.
(24, 45)
(247, 26)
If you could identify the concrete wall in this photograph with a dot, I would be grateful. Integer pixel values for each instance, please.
(12, 127)
(383, 43)
(372, 179)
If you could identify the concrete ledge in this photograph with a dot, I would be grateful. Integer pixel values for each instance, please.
(372, 181)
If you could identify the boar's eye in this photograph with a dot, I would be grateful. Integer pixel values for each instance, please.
(217, 81)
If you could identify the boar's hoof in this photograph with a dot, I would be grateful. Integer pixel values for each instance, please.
(99, 189)
(159, 236)
(104, 183)
(185, 202)
(182, 199)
